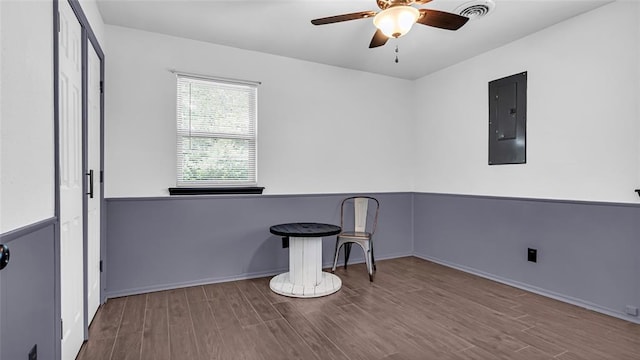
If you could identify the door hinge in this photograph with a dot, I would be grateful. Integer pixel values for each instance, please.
(58, 27)
(61, 329)
(101, 87)
(101, 176)
(100, 265)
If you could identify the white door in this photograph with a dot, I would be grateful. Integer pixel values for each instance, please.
(71, 180)
(93, 200)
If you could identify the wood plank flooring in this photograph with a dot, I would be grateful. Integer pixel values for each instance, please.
(414, 309)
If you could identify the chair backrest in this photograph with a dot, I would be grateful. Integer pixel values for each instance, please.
(365, 214)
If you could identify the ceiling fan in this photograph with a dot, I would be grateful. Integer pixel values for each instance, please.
(397, 17)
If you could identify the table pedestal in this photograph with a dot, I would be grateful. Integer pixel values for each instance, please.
(305, 277)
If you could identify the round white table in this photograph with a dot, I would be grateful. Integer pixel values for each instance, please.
(305, 278)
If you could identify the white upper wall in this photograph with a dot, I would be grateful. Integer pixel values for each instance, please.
(583, 132)
(324, 129)
(26, 113)
(638, 92)
(321, 129)
(90, 9)
(26, 110)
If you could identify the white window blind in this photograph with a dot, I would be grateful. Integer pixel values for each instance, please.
(217, 139)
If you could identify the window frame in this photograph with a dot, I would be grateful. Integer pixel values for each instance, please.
(217, 186)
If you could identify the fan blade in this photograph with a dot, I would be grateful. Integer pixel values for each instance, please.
(379, 39)
(441, 19)
(343, 17)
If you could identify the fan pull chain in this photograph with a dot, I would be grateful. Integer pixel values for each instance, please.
(396, 54)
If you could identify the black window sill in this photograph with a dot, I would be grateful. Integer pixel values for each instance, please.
(215, 191)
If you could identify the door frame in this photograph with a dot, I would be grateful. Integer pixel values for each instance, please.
(88, 46)
(88, 39)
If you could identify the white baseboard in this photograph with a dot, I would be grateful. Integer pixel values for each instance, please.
(213, 280)
(327, 264)
(183, 284)
(536, 290)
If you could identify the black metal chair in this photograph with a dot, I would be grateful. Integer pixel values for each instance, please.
(358, 229)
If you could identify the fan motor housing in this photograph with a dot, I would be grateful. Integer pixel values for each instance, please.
(385, 4)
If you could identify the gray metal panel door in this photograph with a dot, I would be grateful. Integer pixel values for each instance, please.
(507, 120)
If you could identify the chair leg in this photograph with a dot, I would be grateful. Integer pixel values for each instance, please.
(335, 257)
(373, 259)
(367, 257)
(347, 252)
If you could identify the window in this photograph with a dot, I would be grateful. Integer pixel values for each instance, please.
(216, 138)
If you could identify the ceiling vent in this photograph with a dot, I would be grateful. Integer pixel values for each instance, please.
(475, 9)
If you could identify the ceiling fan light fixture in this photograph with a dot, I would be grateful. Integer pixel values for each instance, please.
(396, 21)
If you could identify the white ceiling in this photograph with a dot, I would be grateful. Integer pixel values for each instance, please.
(283, 27)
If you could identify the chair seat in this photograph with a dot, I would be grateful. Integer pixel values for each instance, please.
(356, 231)
(355, 235)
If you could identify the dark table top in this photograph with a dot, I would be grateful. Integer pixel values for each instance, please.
(305, 229)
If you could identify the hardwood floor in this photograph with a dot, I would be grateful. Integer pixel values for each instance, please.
(414, 309)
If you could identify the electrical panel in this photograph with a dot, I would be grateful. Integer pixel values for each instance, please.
(508, 120)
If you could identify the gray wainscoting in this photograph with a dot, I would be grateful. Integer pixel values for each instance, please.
(27, 293)
(588, 253)
(161, 243)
